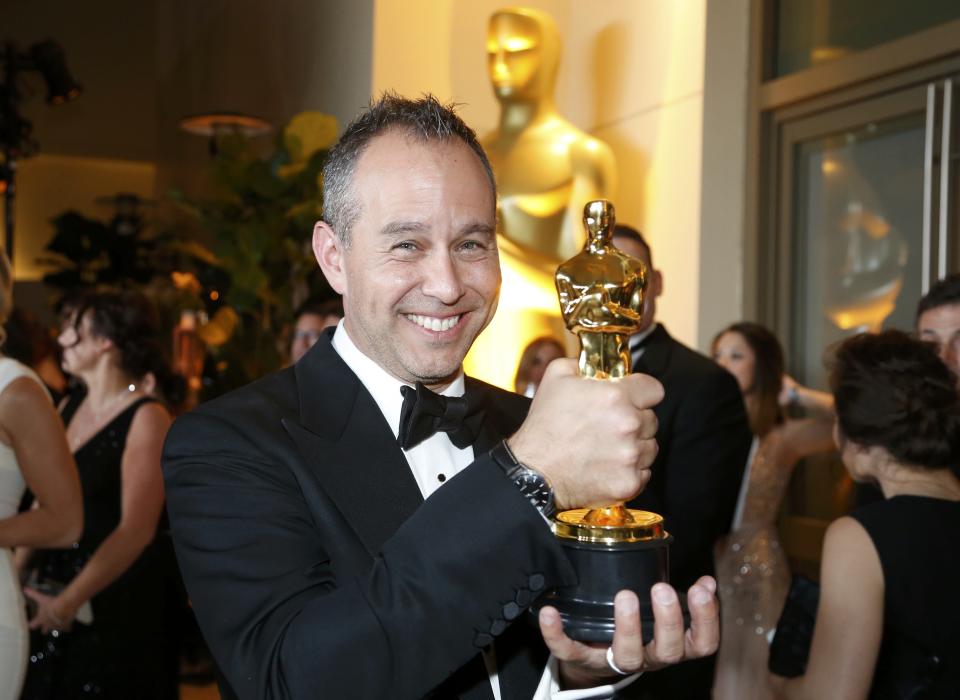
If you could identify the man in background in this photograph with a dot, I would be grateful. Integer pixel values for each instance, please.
(312, 317)
(704, 441)
(938, 320)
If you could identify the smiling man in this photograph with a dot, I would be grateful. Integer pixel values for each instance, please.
(343, 530)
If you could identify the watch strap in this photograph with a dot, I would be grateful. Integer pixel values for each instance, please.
(531, 483)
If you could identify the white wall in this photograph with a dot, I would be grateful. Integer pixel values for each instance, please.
(723, 209)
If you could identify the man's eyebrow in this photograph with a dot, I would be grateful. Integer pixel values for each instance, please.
(399, 228)
(477, 227)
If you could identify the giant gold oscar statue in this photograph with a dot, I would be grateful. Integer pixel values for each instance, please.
(601, 291)
(546, 167)
(546, 170)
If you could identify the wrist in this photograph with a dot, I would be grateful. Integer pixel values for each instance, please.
(534, 485)
(64, 608)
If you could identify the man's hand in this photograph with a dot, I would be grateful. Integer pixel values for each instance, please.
(592, 440)
(585, 665)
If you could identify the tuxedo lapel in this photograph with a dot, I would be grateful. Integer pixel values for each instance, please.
(656, 353)
(346, 443)
(499, 420)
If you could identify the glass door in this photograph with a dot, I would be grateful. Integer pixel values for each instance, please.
(866, 221)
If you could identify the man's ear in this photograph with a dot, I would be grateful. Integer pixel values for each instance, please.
(656, 284)
(329, 250)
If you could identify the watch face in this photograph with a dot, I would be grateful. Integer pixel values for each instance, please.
(535, 488)
(534, 485)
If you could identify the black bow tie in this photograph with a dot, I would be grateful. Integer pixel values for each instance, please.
(425, 413)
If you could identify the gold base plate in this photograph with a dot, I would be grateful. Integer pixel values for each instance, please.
(573, 525)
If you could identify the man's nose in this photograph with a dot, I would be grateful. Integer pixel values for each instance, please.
(442, 279)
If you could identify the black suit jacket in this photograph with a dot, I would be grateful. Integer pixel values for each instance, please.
(315, 567)
(704, 439)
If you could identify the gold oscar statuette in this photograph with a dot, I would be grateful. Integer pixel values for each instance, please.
(601, 291)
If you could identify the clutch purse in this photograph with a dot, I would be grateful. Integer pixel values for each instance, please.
(790, 647)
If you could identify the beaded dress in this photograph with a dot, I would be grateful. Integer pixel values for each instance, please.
(124, 653)
(752, 574)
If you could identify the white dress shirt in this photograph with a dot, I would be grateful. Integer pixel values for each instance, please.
(433, 462)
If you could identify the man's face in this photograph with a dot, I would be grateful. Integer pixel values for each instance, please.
(654, 278)
(941, 326)
(307, 331)
(420, 275)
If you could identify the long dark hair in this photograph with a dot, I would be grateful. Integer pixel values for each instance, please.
(894, 392)
(763, 410)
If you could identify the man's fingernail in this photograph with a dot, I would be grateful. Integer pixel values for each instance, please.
(699, 596)
(627, 603)
(549, 616)
(663, 594)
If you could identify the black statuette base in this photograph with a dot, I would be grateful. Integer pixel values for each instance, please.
(602, 571)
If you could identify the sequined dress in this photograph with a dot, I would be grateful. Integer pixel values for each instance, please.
(124, 653)
(753, 575)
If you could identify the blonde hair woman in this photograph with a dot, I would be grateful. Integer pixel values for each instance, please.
(34, 454)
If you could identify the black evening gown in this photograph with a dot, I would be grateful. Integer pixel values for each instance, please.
(916, 538)
(126, 652)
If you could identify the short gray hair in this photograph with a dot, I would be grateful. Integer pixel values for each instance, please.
(425, 119)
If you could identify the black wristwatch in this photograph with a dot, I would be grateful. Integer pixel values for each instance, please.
(531, 483)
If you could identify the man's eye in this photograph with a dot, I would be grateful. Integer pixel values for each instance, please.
(405, 245)
(473, 246)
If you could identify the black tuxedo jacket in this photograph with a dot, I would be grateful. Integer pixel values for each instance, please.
(315, 567)
(704, 439)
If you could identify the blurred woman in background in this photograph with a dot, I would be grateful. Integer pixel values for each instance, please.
(886, 624)
(99, 625)
(34, 455)
(533, 363)
(752, 570)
